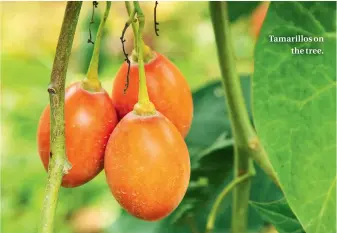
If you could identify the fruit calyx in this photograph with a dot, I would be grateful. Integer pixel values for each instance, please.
(91, 85)
(148, 54)
(144, 109)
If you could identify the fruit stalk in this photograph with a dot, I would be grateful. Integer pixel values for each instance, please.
(58, 164)
(91, 82)
(134, 25)
(247, 145)
(144, 105)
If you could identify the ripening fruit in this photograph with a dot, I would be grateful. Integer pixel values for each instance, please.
(147, 165)
(89, 120)
(258, 17)
(167, 88)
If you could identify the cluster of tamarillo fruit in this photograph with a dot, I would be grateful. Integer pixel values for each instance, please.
(136, 136)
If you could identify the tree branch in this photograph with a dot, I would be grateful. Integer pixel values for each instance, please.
(58, 164)
(247, 145)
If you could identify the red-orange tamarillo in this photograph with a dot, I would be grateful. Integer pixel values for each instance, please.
(167, 88)
(147, 163)
(89, 120)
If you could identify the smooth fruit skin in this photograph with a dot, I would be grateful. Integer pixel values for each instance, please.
(147, 166)
(168, 91)
(89, 120)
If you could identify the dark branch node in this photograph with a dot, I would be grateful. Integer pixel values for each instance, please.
(127, 24)
(51, 90)
(156, 30)
(50, 154)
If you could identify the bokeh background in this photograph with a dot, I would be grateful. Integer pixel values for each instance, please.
(29, 34)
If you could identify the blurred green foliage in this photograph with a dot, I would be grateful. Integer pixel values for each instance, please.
(24, 95)
(84, 53)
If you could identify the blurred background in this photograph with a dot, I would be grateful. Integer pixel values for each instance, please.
(29, 34)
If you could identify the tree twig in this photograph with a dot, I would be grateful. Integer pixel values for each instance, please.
(58, 165)
(134, 27)
(156, 30)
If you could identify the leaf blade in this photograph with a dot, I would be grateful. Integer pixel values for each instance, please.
(279, 214)
(294, 109)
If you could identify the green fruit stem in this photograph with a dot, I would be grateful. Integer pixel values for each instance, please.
(144, 105)
(58, 164)
(133, 24)
(147, 52)
(247, 145)
(91, 82)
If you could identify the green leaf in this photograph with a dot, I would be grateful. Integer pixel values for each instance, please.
(221, 142)
(210, 118)
(279, 214)
(295, 109)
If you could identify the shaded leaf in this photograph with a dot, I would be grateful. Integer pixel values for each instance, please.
(210, 118)
(279, 214)
(262, 190)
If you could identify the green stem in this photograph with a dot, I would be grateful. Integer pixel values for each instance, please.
(220, 197)
(134, 25)
(240, 123)
(147, 52)
(144, 105)
(58, 164)
(246, 142)
(91, 82)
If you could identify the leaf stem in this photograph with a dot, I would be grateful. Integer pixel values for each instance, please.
(247, 145)
(91, 82)
(58, 164)
(220, 197)
(144, 105)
